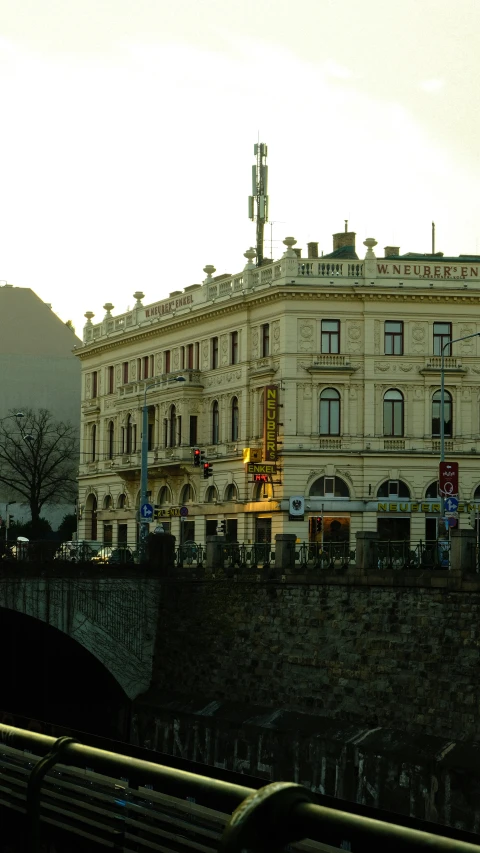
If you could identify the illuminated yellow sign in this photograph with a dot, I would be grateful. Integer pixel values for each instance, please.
(252, 454)
(270, 422)
(261, 468)
(412, 506)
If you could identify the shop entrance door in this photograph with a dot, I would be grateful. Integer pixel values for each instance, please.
(263, 530)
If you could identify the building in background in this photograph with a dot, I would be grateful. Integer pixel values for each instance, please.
(323, 371)
(37, 370)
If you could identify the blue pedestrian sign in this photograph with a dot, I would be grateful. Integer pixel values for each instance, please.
(146, 511)
(451, 504)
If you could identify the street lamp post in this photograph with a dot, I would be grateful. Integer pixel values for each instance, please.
(144, 522)
(442, 402)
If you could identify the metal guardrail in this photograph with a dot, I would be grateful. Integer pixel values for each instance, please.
(134, 805)
(241, 557)
(430, 554)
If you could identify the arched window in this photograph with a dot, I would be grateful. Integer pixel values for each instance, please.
(234, 431)
(211, 495)
(91, 516)
(231, 492)
(329, 412)
(393, 489)
(447, 414)
(93, 442)
(164, 496)
(262, 491)
(329, 487)
(187, 494)
(122, 501)
(432, 490)
(173, 426)
(107, 502)
(476, 494)
(215, 423)
(110, 439)
(393, 413)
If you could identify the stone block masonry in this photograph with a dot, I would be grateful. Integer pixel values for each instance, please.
(396, 655)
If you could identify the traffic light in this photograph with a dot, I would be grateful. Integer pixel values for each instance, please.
(10, 520)
(207, 470)
(196, 457)
(202, 457)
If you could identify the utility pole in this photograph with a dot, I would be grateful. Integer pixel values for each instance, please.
(258, 201)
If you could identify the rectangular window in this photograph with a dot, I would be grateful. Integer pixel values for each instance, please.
(265, 330)
(94, 384)
(190, 356)
(125, 372)
(442, 335)
(146, 366)
(197, 356)
(394, 337)
(111, 379)
(151, 428)
(193, 430)
(330, 336)
(393, 491)
(329, 486)
(166, 361)
(182, 358)
(234, 348)
(214, 353)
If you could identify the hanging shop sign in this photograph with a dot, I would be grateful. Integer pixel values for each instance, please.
(270, 423)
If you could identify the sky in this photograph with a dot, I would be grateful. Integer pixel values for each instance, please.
(128, 126)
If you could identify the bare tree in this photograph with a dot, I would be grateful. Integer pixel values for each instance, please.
(38, 459)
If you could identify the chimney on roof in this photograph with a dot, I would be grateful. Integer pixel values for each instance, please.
(344, 238)
(312, 250)
(298, 252)
(391, 250)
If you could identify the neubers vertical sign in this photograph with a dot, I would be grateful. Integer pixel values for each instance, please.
(270, 423)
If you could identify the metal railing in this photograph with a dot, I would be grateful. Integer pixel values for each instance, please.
(430, 554)
(130, 804)
(324, 555)
(189, 555)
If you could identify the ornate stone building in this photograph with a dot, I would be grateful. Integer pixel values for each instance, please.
(352, 347)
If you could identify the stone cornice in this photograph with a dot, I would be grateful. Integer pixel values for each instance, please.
(275, 293)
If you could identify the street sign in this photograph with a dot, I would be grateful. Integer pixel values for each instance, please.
(451, 504)
(452, 522)
(146, 511)
(448, 479)
(183, 511)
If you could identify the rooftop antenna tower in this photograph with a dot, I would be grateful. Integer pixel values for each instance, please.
(258, 201)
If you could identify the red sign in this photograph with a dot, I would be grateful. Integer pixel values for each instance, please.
(448, 483)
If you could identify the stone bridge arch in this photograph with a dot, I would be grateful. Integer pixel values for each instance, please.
(115, 619)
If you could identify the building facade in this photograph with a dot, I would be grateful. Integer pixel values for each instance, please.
(38, 370)
(349, 351)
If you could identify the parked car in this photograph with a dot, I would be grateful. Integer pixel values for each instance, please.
(118, 555)
(80, 551)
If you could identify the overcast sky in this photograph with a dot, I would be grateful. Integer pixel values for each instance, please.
(127, 133)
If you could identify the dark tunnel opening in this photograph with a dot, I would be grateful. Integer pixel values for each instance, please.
(48, 676)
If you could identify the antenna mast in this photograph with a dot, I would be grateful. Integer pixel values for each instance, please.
(259, 195)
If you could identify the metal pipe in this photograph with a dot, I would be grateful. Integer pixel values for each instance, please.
(298, 819)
